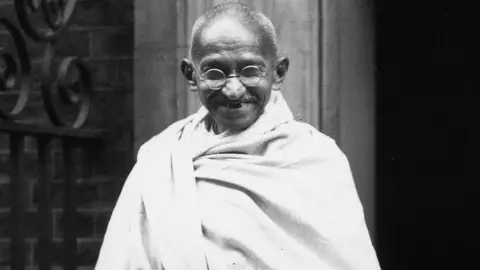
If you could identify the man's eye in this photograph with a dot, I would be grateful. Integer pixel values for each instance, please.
(215, 74)
(251, 71)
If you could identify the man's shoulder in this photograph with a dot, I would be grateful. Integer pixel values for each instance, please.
(164, 138)
(308, 138)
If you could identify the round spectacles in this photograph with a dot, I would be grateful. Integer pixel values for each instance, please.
(216, 79)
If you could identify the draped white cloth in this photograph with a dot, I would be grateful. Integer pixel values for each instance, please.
(279, 195)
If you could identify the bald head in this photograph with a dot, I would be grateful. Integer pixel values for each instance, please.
(227, 16)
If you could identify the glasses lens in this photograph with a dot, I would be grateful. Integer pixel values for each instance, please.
(214, 78)
(250, 75)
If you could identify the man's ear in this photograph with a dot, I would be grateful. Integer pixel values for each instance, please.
(281, 70)
(186, 67)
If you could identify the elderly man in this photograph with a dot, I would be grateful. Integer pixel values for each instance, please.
(240, 184)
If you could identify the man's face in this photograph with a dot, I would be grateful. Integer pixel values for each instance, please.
(229, 46)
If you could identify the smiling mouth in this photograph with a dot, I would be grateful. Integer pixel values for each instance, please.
(235, 105)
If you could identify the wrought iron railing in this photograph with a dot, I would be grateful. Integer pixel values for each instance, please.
(63, 82)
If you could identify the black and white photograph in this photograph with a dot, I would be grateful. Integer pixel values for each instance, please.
(239, 135)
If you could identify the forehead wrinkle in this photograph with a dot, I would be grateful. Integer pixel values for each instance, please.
(214, 49)
(223, 55)
(237, 49)
(230, 46)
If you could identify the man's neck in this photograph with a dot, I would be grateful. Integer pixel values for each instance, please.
(211, 125)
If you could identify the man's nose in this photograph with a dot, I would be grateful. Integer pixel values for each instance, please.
(233, 89)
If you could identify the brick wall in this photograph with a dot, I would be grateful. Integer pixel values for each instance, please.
(102, 33)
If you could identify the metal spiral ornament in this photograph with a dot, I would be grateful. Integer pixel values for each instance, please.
(15, 76)
(76, 91)
(67, 87)
(55, 15)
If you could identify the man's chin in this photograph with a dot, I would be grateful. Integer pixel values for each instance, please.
(236, 119)
(235, 125)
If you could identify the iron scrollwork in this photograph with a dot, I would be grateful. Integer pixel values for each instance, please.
(55, 14)
(12, 74)
(44, 21)
(77, 92)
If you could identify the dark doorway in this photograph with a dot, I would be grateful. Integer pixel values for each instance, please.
(428, 129)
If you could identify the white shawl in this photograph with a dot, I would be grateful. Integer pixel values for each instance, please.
(279, 195)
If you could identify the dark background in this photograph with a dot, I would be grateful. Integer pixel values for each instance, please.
(101, 32)
(427, 93)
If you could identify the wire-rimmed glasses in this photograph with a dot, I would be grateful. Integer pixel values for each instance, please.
(216, 79)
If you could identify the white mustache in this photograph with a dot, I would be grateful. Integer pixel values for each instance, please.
(225, 100)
